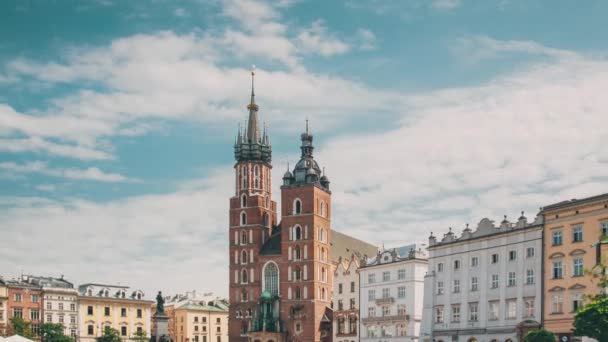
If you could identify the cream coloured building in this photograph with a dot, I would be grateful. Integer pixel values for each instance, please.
(112, 306)
(59, 302)
(3, 307)
(346, 301)
(200, 321)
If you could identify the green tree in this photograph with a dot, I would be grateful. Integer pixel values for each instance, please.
(540, 335)
(21, 327)
(53, 332)
(592, 319)
(140, 336)
(109, 335)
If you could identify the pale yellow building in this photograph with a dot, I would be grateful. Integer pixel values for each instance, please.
(572, 231)
(3, 308)
(115, 306)
(201, 322)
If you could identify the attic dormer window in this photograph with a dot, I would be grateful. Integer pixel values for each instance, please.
(89, 292)
(122, 294)
(107, 293)
(139, 296)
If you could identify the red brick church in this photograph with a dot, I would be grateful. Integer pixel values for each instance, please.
(280, 271)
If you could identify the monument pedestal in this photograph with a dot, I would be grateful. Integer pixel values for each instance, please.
(160, 328)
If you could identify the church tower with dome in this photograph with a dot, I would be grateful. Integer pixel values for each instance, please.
(280, 272)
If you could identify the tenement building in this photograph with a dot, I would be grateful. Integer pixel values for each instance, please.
(112, 306)
(345, 301)
(486, 284)
(200, 321)
(59, 302)
(573, 232)
(3, 307)
(391, 294)
(280, 272)
(25, 301)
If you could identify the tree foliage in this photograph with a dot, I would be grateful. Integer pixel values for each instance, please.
(109, 335)
(592, 319)
(21, 327)
(53, 332)
(540, 335)
(140, 336)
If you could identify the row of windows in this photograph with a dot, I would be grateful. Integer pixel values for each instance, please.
(120, 294)
(61, 319)
(352, 325)
(557, 302)
(49, 306)
(557, 235)
(217, 329)
(107, 311)
(386, 276)
(34, 313)
(494, 259)
(510, 311)
(18, 297)
(494, 282)
(386, 293)
(257, 178)
(387, 311)
(352, 287)
(577, 268)
(341, 304)
(386, 330)
(123, 330)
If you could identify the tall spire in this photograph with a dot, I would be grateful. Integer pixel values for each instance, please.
(253, 131)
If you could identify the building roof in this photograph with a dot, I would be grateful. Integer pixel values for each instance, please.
(573, 202)
(48, 281)
(344, 246)
(485, 228)
(393, 255)
(273, 245)
(199, 307)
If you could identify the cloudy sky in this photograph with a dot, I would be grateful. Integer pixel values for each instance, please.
(117, 120)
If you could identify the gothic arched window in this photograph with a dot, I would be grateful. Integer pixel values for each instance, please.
(256, 177)
(271, 278)
(298, 274)
(266, 220)
(244, 177)
(243, 257)
(244, 276)
(323, 235)
(297, 233)
(322, 209)
(323, 255)
(323, 274)
(243, 218)
(297, 293)
(243, 201)
(297, 206)
(297, 253)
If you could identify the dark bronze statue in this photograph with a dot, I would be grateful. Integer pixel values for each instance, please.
(160, 303)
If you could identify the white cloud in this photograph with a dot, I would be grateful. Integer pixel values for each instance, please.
(519, 142)
(181, 12)
(445, 4)
(367, 39)
(316, 39)
(480, 47)
(91, 173)
(127, 241)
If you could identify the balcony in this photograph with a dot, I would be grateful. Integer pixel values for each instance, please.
(385, 300)
(386, 318)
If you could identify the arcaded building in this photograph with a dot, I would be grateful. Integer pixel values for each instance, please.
(280, 271)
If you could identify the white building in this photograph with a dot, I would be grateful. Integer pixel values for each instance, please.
(391, 295)
(484, 285)
(346, 301)
(59, 302)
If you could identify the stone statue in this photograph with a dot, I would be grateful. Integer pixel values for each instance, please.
(160, 303)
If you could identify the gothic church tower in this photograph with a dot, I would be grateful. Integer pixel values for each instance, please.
(280, 274)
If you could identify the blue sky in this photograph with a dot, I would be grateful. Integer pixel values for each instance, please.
(117, 120)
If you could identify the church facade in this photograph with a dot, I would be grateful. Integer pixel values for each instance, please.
(280, 270)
